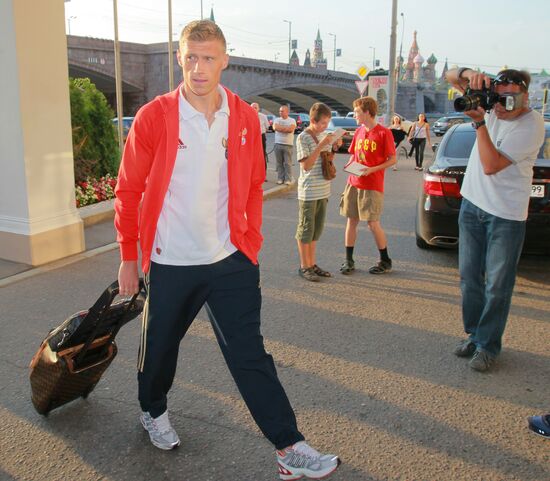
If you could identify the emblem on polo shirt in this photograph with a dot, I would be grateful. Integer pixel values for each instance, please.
(243, 136)
(181, 145)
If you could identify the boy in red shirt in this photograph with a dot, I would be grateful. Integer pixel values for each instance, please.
(363, 197)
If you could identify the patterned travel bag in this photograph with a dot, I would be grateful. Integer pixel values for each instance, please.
(74, 356)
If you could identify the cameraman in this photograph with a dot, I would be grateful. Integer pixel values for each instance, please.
(495, 191)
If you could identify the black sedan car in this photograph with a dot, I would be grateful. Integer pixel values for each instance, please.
(348, 124)
(439, 197)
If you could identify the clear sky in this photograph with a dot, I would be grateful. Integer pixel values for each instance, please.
(477, 33)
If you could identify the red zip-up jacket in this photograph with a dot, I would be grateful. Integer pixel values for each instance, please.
(146, 169)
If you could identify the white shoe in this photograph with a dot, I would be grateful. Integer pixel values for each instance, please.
(288, 182)
(301, 459)
(161, 432)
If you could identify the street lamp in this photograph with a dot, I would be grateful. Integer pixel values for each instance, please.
(118, 78)
(399, 63)
(334, 64)
(289, 37)
(373, 57)
(170, 51)
(72, 17)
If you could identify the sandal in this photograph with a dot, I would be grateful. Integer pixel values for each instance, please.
(308, 274)
(320, 272)
(381, 268)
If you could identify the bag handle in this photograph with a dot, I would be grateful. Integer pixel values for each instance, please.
(313, 136)
(99, 309)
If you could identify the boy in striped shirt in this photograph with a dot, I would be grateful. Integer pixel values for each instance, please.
(313, 190)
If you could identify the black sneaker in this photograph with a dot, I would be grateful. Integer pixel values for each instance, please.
(308, 274)
(465, 348)
(381, 268)
(540, 425)
(347, 267)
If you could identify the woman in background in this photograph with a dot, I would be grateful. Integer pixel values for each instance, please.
(398, 133)
(418, 135)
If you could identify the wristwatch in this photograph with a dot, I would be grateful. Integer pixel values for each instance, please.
(477, 125)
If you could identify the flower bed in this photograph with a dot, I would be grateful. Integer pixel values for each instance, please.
(92, 191)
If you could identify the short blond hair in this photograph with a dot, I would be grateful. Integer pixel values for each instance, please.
(202, 31)
(367, 104)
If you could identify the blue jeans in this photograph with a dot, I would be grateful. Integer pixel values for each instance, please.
(488, 255)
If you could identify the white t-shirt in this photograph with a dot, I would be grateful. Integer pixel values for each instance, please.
(264, 122)
(193, 226)
(506, 193)
(281, 137)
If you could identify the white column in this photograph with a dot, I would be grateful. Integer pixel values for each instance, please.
(39, 221)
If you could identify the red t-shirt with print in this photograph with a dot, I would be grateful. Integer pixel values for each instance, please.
(371, 147)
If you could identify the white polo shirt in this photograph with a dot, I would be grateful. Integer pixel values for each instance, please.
(506, 193)
(282, 137)
(193, 226)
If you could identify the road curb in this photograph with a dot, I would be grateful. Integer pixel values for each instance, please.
(95, 214)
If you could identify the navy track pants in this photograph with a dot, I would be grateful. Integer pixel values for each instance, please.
(231, 293)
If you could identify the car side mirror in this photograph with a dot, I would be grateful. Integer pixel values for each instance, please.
(435, 146)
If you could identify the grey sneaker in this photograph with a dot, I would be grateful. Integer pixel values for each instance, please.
(465, 348)
(301, 459)
(481, 361)
(160, 431)
(309, 274)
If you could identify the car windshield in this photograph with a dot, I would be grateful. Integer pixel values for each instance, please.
(343, 122)
(443, 120)
(455, 148)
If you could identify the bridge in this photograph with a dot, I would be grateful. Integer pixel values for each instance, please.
(145, 75)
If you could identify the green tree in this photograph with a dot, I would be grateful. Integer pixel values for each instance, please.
(95, 146)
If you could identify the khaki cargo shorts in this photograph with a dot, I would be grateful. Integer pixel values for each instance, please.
(361, 204)
(311, 220)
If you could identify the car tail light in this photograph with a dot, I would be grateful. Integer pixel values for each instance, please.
(441, 185)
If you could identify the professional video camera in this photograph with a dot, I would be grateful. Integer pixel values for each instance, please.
(487, 98)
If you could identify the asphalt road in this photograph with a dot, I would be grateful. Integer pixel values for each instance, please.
(366, 361)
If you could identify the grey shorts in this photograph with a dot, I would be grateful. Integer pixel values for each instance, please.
(361, 204)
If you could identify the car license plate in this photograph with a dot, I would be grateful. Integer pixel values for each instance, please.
(537, 190)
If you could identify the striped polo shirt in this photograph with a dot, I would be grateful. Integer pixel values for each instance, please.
(311, 184)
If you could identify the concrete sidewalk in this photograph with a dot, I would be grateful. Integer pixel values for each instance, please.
(100, 235)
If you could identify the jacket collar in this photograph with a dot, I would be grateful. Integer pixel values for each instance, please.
(187, 111)
(170, 100)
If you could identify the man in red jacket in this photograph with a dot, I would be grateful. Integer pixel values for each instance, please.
(190, 192)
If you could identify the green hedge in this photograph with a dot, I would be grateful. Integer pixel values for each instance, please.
(95, 145)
